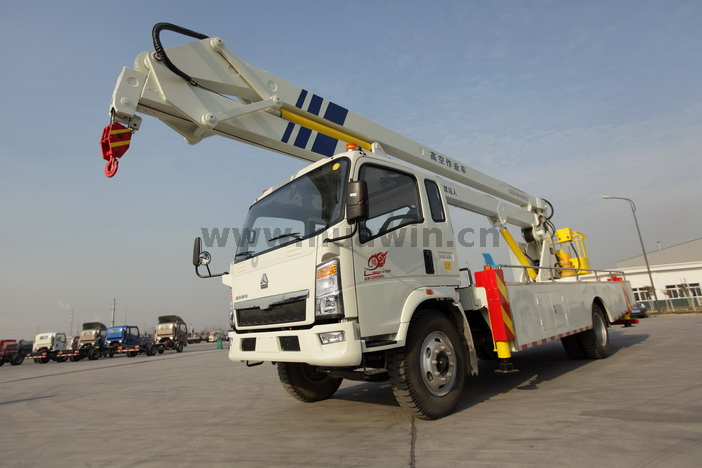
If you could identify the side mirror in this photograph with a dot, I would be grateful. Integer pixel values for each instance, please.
(357, 208)
(196, 252)
(202, 258)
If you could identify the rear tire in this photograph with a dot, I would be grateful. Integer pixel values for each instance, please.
(572, 347)
(595, 342)
(427, 375)
(179, 348)
(17, 359)
(151, 350)
(306, 383)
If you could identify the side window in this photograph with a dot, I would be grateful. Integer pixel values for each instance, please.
(435, 205)
(393, 200)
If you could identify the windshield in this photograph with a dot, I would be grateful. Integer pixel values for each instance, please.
(298, 210)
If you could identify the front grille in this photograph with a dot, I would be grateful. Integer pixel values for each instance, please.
(284, 312)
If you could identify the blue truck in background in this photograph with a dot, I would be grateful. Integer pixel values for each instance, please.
(127, 339)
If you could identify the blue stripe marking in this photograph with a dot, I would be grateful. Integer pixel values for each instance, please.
(324, 145)
(288, 132)
(303, 136)
(315, 105)
(301, 99)
(336, 114)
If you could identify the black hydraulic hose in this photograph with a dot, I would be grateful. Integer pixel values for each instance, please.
(161, 54)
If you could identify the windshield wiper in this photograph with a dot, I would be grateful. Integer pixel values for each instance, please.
(248, 254)
(296, 235)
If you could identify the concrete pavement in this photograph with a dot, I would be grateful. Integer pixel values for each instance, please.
(641, 407)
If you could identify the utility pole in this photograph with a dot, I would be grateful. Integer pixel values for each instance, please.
(638, 230)
(70, 328)
(114, 306)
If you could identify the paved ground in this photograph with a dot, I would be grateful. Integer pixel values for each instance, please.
(642, 407)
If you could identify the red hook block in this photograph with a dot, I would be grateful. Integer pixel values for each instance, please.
(114, 143)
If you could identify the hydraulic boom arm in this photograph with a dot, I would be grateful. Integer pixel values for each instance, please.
(202, 89)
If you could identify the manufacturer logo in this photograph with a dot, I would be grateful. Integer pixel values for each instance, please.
(264, 281)
(377, 260)
(375, 270)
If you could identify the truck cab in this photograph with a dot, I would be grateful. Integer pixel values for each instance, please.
(123, 335)
(10, 352)
(347, 287)
(49, 346)
(171, 333)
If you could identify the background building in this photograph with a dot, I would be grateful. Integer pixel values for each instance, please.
(677, 274)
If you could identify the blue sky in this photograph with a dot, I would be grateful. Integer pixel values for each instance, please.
(567, 100)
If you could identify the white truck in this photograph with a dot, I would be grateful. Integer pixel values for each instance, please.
(349, 269)
(50, 346)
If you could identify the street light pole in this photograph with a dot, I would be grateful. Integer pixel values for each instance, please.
(638, 230)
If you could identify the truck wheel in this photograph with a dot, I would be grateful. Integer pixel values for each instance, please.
(17, 359)
(75, 358)
(111, 353)
(305, 383)
(179, 348)
(61, 358)
(160, 350)
(2, 363)
(572, 347)
(131, 353)
(151, 350)
(94, 354)
(427, 374)
(595, 342)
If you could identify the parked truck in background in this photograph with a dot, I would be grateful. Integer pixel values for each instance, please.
(128, 340)
(10, 352)
(349, 269)
(171, 333)
(49, 346)
(90, 343)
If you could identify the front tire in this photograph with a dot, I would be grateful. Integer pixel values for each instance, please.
(16, 360)
(94, 354)
(305, 383)
(427, 375)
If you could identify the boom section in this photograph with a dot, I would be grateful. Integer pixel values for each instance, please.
(228, 97)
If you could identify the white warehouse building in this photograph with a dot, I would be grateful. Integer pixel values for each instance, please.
(676, 272)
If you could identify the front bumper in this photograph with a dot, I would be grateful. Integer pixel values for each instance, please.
(299, 346)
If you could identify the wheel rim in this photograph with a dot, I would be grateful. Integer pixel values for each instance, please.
(312, 375)
(600, 329)
(437, 363)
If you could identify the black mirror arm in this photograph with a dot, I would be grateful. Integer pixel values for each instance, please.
(334, 239)
(209, 273)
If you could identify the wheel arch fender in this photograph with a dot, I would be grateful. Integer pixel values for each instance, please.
(444, 300)
(597, 301)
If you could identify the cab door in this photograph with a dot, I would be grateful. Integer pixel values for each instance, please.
(389, 261)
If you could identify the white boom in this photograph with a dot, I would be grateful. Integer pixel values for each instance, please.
(203, 89)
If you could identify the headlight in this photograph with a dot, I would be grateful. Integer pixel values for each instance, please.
(328, 291)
